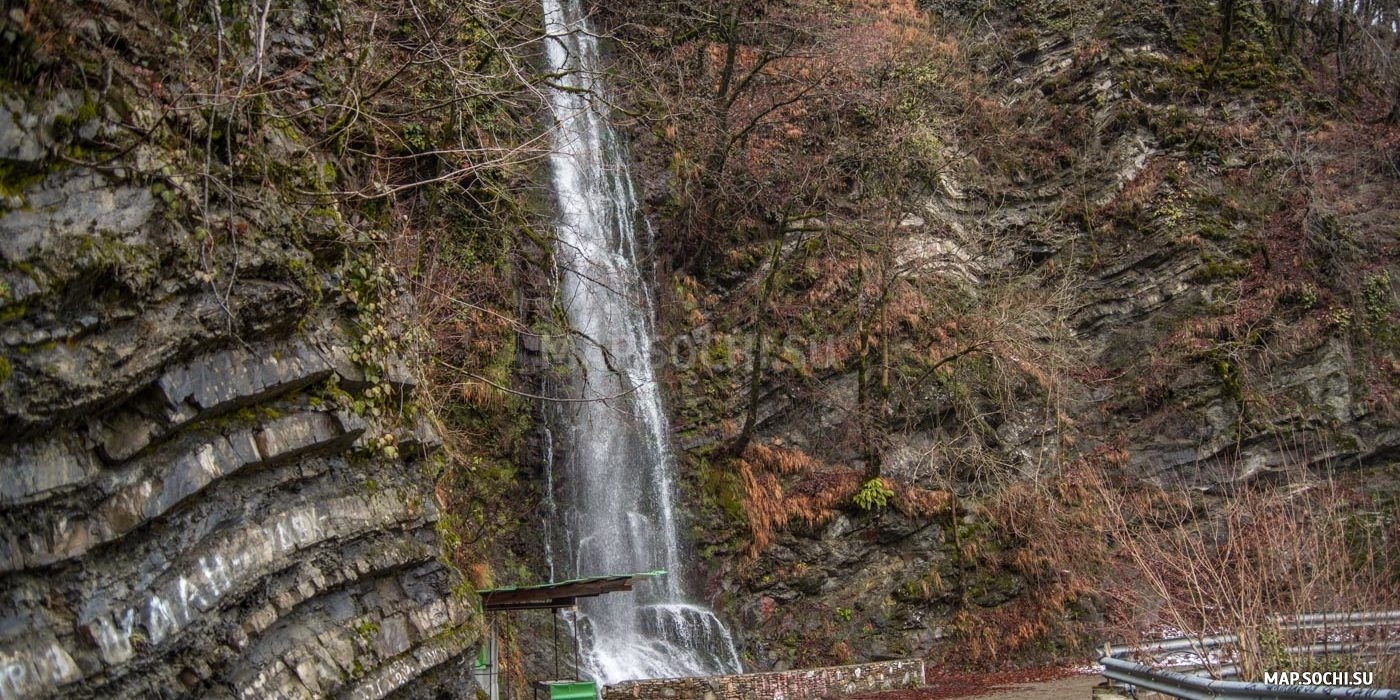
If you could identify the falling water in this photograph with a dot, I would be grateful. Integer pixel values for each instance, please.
(616, 466)
(549, 507)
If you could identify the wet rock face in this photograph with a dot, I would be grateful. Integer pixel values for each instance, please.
(219, 533)
(196, 497)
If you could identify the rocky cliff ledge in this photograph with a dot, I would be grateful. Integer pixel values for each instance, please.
(215, 476)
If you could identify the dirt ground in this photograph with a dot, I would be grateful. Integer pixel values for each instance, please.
(1036, 684)
(1072, 688)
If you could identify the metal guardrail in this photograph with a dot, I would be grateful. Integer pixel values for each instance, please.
(1188, 683)
(1189, 687)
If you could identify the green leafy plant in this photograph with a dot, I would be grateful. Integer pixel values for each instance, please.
(873, 495)
(1377, 305)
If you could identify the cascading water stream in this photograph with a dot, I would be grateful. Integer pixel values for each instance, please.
(615, 463)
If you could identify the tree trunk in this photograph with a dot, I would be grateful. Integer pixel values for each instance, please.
(1227, 32)
(760, 313)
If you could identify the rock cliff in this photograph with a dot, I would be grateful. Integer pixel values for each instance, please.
(216, 475)
(998, 262)
(936, 282)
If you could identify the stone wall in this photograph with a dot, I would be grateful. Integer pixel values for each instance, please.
(808, 684)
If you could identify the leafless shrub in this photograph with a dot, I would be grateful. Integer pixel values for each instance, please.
(1310, 546)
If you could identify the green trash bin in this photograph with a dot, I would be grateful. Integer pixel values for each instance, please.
(571, 690)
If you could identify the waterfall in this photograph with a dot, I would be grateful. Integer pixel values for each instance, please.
(616, 468)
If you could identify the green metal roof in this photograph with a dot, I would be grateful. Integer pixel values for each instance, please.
(562, 594)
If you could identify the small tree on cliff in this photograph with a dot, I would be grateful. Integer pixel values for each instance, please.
(723, 83)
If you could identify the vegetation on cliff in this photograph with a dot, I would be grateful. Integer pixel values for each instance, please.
(977, 313)
(254, 264)
(991, 328)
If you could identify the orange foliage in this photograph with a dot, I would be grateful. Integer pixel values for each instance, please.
(480, 575)
(891, 28)
(768, 506)
(782, 460)
(1053, 536)
(916, 502)
(813, 498)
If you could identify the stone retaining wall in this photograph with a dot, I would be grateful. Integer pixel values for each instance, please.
(807, 684)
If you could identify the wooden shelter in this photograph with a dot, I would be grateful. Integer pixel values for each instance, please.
(547, 596)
